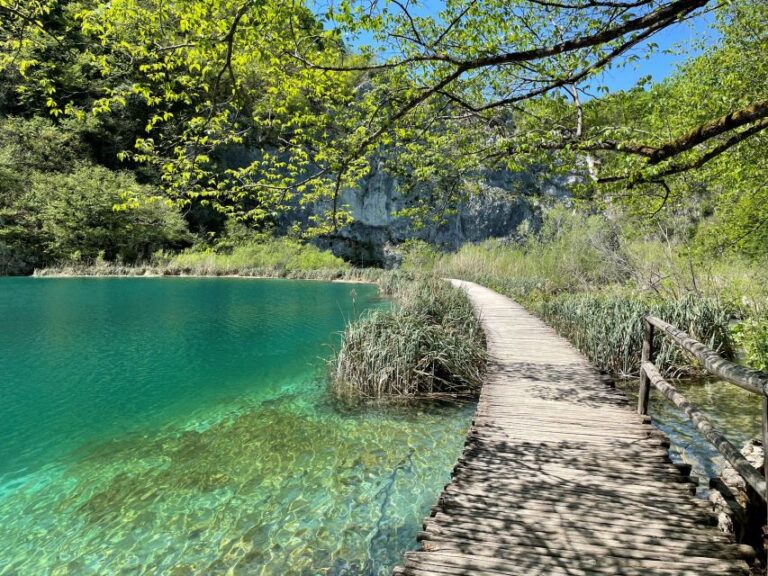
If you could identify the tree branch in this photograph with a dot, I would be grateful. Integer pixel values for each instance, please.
(641, 178)
(708, 130)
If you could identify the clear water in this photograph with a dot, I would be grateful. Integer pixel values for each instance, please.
(182, 426)
(733, 411)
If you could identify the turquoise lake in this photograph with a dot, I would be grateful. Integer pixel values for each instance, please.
(183, 426)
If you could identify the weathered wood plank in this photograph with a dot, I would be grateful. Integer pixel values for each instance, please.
(628, 558)
(608, 541)
(560, 477)
(529, 563)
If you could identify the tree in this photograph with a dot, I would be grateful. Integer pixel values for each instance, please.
(211, 76)
(55, 206)
(507, 78)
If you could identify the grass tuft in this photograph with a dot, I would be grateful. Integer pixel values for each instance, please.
(430, 345)
(608, 328)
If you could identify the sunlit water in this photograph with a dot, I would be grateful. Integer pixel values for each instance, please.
(182, 426)
(733, 411)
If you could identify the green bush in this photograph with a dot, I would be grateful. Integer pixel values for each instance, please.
(57, 207)
(72, 217)
(418, 256)
(752, 337)
(78, 215)
(429, 346)
(37, 144)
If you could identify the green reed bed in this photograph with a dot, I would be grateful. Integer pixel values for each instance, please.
(607, 323)
(346, 274)
(430, 345)
(594, 287)
(608, 328)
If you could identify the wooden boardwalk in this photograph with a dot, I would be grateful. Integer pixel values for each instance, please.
(560, 477)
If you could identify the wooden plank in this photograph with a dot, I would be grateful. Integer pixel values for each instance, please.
(528, 563)
(566, 512)
(559, 477)
(627, 558)
(637, 505)
(582, 461)
(587, 524)
(562, 485)
(608, 541)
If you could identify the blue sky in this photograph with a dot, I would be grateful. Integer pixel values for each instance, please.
(687, 36)
(676, 43)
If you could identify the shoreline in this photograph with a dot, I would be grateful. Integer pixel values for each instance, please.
(319, 275)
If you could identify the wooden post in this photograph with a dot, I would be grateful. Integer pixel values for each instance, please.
(647, 356)
(765, 472)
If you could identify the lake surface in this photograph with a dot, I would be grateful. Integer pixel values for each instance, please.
(182, 426)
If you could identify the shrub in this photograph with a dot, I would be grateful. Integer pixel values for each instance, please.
(72, 217)
(418, 256)
(282, 255)
(752, 337)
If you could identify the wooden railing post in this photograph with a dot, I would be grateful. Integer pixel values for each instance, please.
(765, 472)
(754, 381)
(647, 356)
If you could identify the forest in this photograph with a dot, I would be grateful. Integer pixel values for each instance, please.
(220, 136)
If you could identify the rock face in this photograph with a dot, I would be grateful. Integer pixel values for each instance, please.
(503, 202)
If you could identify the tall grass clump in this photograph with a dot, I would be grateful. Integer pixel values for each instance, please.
(266, 257)
(430, 345)
(570, 253)
(608, 328)
(594, 284)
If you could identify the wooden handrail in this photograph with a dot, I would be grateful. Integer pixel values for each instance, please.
(723, 445)
(752, 380)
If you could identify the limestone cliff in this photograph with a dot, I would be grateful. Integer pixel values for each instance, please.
(502, 202)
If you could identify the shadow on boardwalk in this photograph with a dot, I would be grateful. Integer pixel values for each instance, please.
(559, 477)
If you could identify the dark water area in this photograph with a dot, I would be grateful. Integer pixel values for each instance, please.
(183, 426)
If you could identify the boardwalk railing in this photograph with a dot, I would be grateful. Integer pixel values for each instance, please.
(750, 380)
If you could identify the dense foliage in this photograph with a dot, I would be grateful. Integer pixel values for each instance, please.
(131, 129)
(723, 201)
(55, 206)
(261, 108)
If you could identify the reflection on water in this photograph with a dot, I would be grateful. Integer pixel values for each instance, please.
(733, 411)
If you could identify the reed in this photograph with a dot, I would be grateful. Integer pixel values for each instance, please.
(371, 275)
(430, 345)
(608, 328)
(594, 287)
